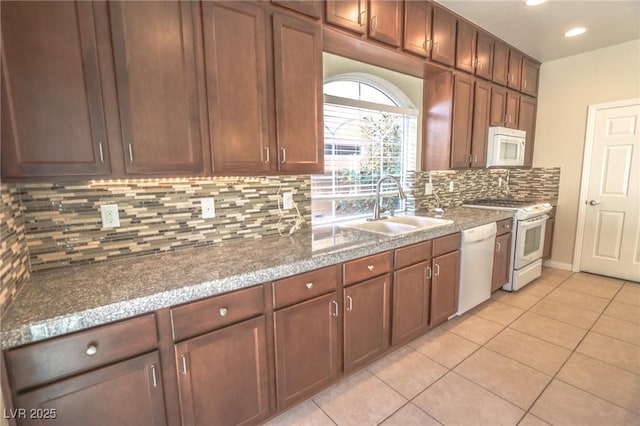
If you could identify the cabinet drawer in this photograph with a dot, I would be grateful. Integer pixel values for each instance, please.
(206, 315)
(305, 286)
(61, 357)
(413, 254)
(367, 267)
(552, 213)
(504, 226)
(446, 244)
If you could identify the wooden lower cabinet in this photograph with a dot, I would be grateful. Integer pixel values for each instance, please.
(501, 261)
(222, 375)
(411, 299)
(307, 348)
(445, 286)
(126, 393)
(548, 238)
(366, 321)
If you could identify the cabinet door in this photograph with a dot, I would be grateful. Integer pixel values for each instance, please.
(484, 55)
(548, 239)
(311, 8)
(307, 349)
(501, 261)
(515, 70)
(417, 27)
(385, 21)
(462, 120)
(512, 108)
(366, 321)
(497, 116)
(223, 376)
(411, 299)
(480, 132)
(236, 69)
(156, 73)
(126, 393)
(530, 71)
(297, 49)
(445, 287)
(527, 122)
(348, 14)
(466, 47)
(52, 110)
(500, 74)
(444, 37)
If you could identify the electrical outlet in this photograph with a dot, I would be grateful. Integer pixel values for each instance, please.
(208, 208)
(450, 186)
(287, 200)
(428, 189)
(110, 216)
(500, 182)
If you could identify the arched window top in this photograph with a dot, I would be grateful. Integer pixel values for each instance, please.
(366, 87)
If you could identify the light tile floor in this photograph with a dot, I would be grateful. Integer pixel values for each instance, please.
(565, 350)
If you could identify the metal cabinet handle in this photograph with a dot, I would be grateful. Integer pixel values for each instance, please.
(524, 83)
(153, 376)
(507, 226)
(223, 312)
(184, 364)
(130, 153)
(498, 244)
(428, 272)
(371, 268)
(437, 272)
(427, 45)
(100, 151)
(266, 156)
(92, 349)
(437, 46)
(362, 18)
(335, 310)
(478, 63)
(374, 22)
(309, 285)
(350, 303)
(594, 203)
(283, 155)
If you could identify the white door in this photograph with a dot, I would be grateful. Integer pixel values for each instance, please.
(611, 234)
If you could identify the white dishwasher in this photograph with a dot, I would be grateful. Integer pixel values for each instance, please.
(476, 266)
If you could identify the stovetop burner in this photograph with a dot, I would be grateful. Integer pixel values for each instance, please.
(498, 202)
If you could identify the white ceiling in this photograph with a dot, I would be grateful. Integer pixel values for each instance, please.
(539, 31)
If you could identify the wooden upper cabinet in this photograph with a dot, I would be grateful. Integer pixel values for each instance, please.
(530, 75)
(500, 72)
(52, 108)
(466, 47)
(348, 14)
(480, 130)
(236, 72)
(154, 45)
(297, 49)
(515, 70)
(527, 122)
(385, 21)
(498, 106)
(512, 109)
(417, 28)
(437, 109)
(462, 120)
(444, 36)
(311, 8)
(484, 55)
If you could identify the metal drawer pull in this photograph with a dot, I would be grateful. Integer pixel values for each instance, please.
(309, 285)
(350, 305)
(184, 364)
(428, 272)
(335, 305)
(437, 270)
(498, 245)
(223, 312)
(507, 226)
(153, 375)
(370, 267)
(92, 349)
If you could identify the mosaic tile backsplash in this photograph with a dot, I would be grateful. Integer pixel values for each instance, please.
(63, 222)
(14, 254)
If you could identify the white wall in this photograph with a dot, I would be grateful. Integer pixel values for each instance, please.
(567, 87)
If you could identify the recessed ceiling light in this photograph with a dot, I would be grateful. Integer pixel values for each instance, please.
(575, 32)
(534, 2)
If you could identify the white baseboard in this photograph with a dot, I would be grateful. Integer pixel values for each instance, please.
(558, 265)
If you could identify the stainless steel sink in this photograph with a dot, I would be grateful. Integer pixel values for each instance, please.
(399, 225)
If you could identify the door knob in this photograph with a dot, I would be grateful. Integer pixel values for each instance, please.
(594, 203)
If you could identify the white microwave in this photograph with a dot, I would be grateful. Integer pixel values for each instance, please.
(505, 147)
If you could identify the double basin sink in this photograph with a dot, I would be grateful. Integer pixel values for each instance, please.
(399, 225)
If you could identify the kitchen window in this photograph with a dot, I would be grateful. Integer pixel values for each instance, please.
(370, 130)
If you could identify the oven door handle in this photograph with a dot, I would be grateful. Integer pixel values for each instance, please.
(535, 220)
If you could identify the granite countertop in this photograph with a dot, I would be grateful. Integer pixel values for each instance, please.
(64, 300)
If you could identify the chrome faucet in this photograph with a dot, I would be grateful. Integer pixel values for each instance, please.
(401, 196)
